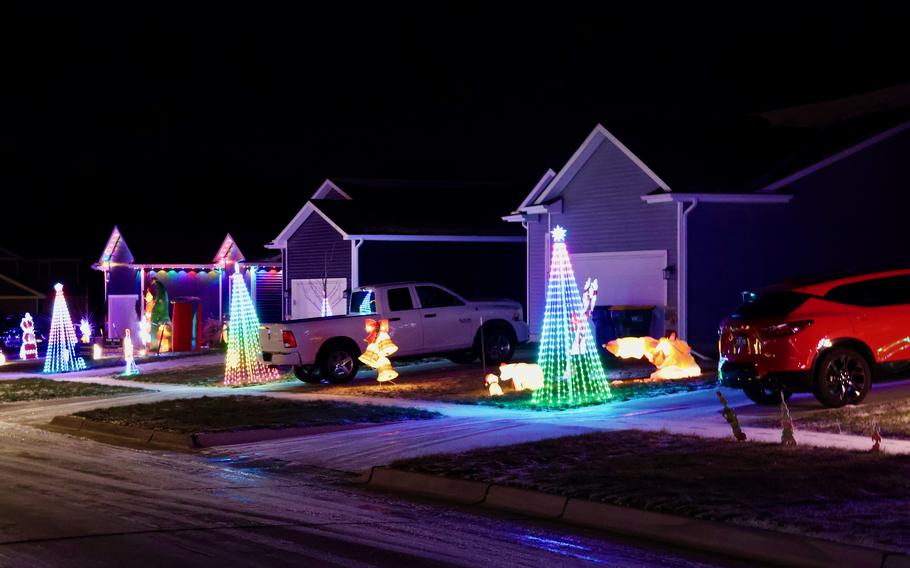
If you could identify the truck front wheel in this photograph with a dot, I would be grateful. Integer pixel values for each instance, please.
(498, 344)
(338, 363)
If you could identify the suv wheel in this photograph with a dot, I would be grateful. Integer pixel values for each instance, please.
(339, 364)
(765, 396)
(843, 376)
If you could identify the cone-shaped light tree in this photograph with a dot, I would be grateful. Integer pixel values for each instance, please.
(572, 370)
(61, 343)
(243, 363)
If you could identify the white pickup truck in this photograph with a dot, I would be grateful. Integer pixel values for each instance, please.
(424, 319)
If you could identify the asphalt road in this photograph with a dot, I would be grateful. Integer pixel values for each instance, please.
(74, 502)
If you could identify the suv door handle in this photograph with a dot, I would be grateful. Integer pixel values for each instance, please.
(394, 319)
(429, 315)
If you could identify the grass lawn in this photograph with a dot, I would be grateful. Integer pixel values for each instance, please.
(210, 375)
(228, 413)
(892, 418)
(464, 384)
(44, 389)
(849, 496)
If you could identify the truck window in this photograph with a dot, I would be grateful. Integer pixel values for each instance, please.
(400, 299)
(433, 297)
(363, 302)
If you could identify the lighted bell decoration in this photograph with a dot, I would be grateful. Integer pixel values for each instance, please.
(379, 347)
(386, 372)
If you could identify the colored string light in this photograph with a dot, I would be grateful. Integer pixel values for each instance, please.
(243, 363)
(572, 370)
(61, 345)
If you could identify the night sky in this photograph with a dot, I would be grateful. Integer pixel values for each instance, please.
(194, 124)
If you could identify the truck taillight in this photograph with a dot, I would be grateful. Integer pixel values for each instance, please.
(287, 336)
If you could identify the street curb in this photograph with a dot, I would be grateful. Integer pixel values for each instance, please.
(454, 490)
(753, 544)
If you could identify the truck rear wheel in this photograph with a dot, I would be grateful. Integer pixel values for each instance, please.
(338, 363)
(307, 374)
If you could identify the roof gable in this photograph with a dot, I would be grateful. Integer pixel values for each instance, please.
(116, 249)
(228, 252)
(598, 136)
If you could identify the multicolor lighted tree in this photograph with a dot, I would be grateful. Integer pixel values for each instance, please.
(243, 363)
(61, 344)
(572, 370)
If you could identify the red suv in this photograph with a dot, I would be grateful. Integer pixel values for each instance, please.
(826, 337)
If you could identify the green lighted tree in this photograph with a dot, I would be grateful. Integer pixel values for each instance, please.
(572, 370)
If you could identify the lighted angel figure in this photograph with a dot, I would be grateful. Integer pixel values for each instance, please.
(85, 330)
(672, 356)
(128, 355)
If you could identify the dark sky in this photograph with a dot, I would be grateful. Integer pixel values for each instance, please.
(187, 125)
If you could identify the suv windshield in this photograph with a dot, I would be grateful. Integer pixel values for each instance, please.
(770, 304)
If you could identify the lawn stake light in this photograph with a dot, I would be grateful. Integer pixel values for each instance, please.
(128, 357)
(572, 370)
(786, 423)
(243, 363)
(61, 344)
(379, 347)
(732, 420)
(876, 438)
(29, 347)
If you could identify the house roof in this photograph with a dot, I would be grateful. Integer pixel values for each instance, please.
(168, 249)
(751, 154)
(411, 210)
(13, 290)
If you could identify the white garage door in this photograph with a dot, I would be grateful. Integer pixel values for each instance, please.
(627, 278)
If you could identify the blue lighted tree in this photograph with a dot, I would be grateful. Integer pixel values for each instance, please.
(572, 370)
(61, 343)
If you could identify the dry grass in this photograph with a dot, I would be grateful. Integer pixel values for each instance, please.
(849, 496)
(45, 389)
(892, 418)
(210, 375)
(229, 413)
(441, 381)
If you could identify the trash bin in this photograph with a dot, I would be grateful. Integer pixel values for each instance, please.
(603, 325)
(631, 321)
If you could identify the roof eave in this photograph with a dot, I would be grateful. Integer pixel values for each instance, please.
(676, 197)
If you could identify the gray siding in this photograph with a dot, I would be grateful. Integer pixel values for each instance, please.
(314, 249)
(848, 217)
(603, 212)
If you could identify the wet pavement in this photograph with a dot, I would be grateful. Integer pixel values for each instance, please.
(74, 502)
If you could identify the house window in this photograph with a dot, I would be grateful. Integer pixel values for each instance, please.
(400, 299)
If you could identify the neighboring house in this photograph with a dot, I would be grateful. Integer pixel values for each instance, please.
(126, 280)
(686, 217)
(26, 282)
(360, 232)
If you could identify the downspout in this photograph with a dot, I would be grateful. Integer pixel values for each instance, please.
(527, 273)
(355, 262)
(682, 259)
